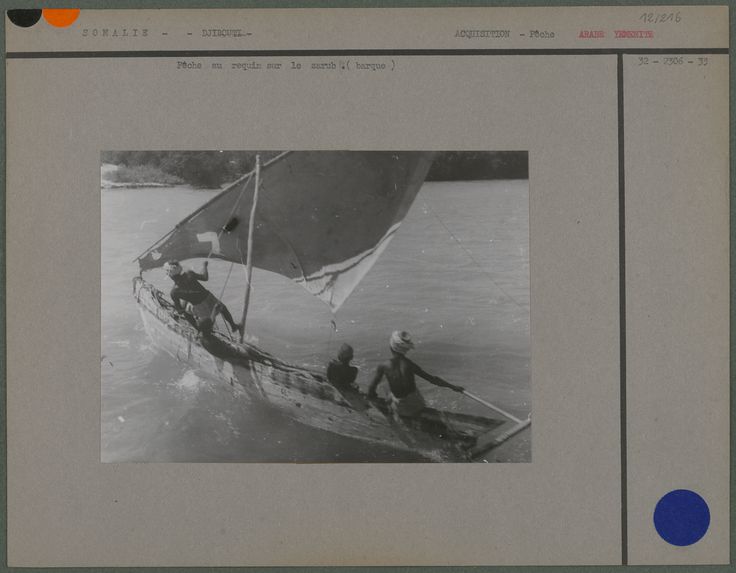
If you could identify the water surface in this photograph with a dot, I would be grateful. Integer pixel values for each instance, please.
(456, 276)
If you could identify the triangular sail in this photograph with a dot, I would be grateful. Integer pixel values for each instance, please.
(323, 218)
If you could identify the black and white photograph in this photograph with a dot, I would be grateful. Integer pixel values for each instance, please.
(315, 306)
(447, 286)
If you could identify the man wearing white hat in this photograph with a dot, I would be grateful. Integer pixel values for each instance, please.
(400, 372)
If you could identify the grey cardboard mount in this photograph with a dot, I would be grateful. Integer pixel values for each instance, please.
(629, 241)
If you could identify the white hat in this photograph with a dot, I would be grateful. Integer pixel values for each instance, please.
(400, 342)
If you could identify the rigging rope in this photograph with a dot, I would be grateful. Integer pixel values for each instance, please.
(222, 292)
(471, 257)
(333, 324)
(222, 230)
(232, 211)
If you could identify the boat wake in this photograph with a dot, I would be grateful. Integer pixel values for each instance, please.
(190, 383)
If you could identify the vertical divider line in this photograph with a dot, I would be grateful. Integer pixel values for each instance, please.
(622, 305)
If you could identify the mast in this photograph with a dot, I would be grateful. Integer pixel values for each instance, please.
(249, 252)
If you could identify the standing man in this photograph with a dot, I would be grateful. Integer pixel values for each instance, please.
(188, 294)
(400, 372)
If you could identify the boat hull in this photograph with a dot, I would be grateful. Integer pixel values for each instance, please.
(304, 395)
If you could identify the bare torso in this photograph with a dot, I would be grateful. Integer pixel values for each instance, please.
(400, 373)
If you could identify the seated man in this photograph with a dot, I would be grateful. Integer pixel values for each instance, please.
(188, 294)
(339, 372)
(400, 372)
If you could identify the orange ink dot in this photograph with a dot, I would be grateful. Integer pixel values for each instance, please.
(60, 18)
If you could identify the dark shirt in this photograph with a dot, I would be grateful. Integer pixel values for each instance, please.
(341, 374)
(188, 288)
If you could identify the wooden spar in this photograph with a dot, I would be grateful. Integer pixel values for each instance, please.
(492, 407)
(249, 253)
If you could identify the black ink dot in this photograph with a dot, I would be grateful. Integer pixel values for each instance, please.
(24, 18)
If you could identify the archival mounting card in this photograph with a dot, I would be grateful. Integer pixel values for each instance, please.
(267, 268)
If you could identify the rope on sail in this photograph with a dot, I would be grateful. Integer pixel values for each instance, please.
(232, 212)
(222, 229)
(471, 257)
(219, 234)
(333, 330)
(222, 292)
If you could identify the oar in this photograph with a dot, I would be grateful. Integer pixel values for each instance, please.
(492, 407)
(518, 426)
(485, 446)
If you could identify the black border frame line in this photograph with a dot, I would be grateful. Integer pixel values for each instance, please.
(623, 436)
(386, 52)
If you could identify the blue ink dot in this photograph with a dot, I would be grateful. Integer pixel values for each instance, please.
(681, 517)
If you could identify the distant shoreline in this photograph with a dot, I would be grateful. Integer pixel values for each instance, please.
(132, 185)
(122, 177)
(213, 169)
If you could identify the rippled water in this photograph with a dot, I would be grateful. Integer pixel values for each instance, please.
(456, 276)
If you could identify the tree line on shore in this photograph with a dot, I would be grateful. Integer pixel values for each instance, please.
(211, 169)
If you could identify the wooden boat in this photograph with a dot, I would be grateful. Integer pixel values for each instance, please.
(323, 218)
